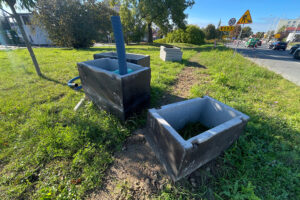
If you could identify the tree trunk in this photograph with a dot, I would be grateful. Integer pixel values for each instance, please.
(28, 45)
(150, 37)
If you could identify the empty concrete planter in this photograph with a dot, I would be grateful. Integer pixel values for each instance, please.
(143, 60)
(170, 54)
(181, 157)
(118, 94)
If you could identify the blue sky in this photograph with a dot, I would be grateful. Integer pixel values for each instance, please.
(264, 12)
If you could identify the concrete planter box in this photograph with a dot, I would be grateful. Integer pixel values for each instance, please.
(118, 94)
(170, 54)
(181, 157)
(143, 60)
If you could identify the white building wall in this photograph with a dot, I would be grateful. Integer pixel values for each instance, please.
(287, 23)
(35, 34)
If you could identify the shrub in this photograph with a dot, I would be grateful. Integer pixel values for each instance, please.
(192, 34)
(74, 23)
(210, 32)
(161, 40)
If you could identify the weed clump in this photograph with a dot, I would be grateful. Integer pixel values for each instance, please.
(192, 129)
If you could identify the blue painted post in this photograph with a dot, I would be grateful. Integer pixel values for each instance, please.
(118, 33)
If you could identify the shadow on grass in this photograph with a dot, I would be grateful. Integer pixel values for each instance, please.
(57, 82)
(189, 63)
(151, 47)
(52, 80)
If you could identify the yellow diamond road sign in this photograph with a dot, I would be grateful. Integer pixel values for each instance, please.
(226, 28)
(246, 18)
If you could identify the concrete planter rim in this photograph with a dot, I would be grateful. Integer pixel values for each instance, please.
(174, 47)
(202, 136)
(111, 73)
(180, 156)
(115, 54)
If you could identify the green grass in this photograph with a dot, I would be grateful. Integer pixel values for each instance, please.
(265, 162)
(192, 129)
(48, 151)
(293, 43)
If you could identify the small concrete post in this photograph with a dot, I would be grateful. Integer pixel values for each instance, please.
(118, 33)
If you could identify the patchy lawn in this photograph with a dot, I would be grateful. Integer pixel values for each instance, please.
(47, 151)
(265, 162)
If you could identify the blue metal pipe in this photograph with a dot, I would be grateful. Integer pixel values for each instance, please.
(118, 33)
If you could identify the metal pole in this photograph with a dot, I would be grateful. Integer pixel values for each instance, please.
(238, 39)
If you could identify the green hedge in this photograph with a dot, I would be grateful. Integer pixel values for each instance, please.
(192, 34)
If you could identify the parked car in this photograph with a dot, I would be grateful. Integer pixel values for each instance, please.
(258, 43)
(296, 54)
(293, 48)
(278, 46)
(251, 42)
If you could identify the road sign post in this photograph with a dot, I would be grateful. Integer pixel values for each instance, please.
(231, 21)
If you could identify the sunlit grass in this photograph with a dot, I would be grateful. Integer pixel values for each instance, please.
(265, 162)
(46, 149)
(49, 151)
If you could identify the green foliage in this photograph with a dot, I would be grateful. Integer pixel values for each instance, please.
(260, 35)
(74, 23)
(163, 12)
(133, 26)
(281, 29)
(192, 35)
(210, 32)
(246, 32)
(270, 34)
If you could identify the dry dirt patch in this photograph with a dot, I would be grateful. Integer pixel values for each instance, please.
(135, 172)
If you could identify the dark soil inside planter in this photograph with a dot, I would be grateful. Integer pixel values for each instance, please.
(192, 129)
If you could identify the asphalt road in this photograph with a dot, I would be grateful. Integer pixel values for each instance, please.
(281, 62)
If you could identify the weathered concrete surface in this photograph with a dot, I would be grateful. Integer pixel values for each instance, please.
(181, 157)
(143, 60)
(118, 94)
(170, 54)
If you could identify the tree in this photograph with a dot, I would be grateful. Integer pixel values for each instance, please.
(236, 32)
(210, 32)
(194, 35)
(270, 34)
(27, 4)
(246, 32)
(260, 35)
(282, 29)
(133, 26)
(160, 11)
(74, 23)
